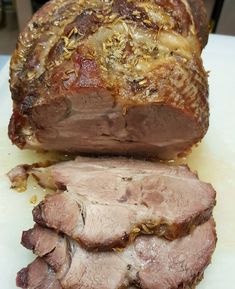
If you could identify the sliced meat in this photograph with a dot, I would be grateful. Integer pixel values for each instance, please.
(157, 204)
(137, 197)
(73, 173)
(37, 275)
(148, 263)
(111, 77)
(18, 177)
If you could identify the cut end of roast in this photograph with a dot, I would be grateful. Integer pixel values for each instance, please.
(156, 130)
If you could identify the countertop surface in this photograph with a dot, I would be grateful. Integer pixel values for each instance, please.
(214, 159)
(3, 61)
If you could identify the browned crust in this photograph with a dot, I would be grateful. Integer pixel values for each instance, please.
(201, 20)
(175, 9)
(179, 12)
(16, 123)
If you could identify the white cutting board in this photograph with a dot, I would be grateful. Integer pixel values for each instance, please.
(214, 159)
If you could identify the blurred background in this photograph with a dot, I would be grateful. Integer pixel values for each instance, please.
(15, 13)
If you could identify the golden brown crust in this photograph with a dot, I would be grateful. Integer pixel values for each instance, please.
(45, 39)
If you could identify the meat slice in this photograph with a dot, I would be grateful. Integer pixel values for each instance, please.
(156, 204)
(170, 213)
(148, 263)
(37, 275)
(111, 77)
(137, 196)
(83, 169)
